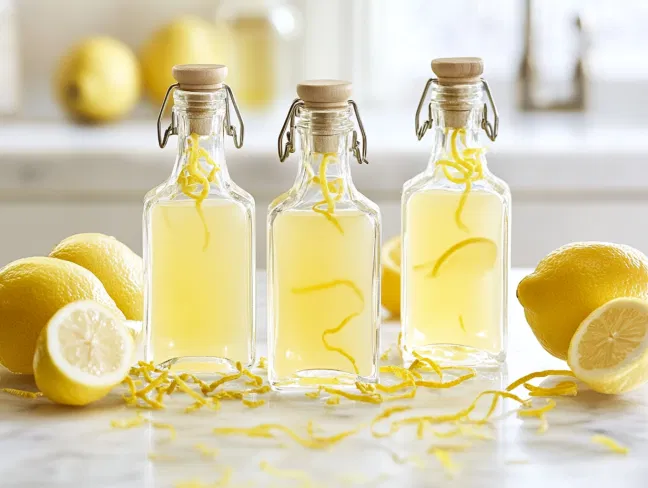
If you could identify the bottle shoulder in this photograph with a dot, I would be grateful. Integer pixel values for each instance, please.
(437, 181)
(172, 191)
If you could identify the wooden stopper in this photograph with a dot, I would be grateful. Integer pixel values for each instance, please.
(455, 72)
(325, 93)
(200, 77)
(458, 71)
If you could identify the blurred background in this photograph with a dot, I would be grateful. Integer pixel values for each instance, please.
(570, 78)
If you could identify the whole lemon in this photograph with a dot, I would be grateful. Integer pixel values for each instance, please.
(572, 282)
(186, 40)
(98, 80)
(32, 290)
(117, 267)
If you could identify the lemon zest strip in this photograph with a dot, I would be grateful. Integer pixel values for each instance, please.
(610, 443)
(564, 388)
(192, 175)
(253, 404)
(388, 412)
(435, 367)
(539, 374)
(436, 265)
(345, 321)
(22, 393)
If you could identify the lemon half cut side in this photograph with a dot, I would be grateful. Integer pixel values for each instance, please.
(82, 353)
(609, 350)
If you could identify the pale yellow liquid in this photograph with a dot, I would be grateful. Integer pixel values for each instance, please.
(309, 250)
(463, 303)
(200, 298)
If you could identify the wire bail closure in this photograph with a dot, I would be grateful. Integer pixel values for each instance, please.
(230, 129)
(491, 129)
(284, 150)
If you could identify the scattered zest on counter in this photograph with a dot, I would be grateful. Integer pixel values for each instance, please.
(610, 443)
(22, 393)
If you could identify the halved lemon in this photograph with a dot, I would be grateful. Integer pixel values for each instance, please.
(609, 350)
(82, 353)
(391, 276)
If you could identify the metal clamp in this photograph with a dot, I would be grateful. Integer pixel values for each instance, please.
(422, 129)
(172, 130)
(361, 156)
(490, 129)
(230, 130)
(288, 129)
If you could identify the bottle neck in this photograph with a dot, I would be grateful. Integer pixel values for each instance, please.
(199, 118)
(325, 139)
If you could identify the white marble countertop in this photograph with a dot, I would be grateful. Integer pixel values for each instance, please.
(45, 445)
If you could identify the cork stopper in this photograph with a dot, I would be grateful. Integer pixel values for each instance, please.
(325, 93)
(199, 77)
(458, 77)
(458, 71)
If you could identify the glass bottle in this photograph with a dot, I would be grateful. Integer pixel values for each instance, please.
(455, 228)
(199, 237)
(259, 29)
(323, 254)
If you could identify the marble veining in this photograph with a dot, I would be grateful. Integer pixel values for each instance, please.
(45, 445)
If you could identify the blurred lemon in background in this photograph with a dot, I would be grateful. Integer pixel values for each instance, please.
(118, 268)
(32, 290)
(573, 281)
(98, 80)
(184, 41)
(391, 276)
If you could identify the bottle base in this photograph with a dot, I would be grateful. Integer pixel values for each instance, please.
(201, 365)
(455, 355)
(312, 379)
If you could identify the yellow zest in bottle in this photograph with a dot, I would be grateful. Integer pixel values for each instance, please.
(344, 322)
(331, 191)
(467, 164)
(194, 179)
(22, 393)
(436, 265)
(610, 443)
